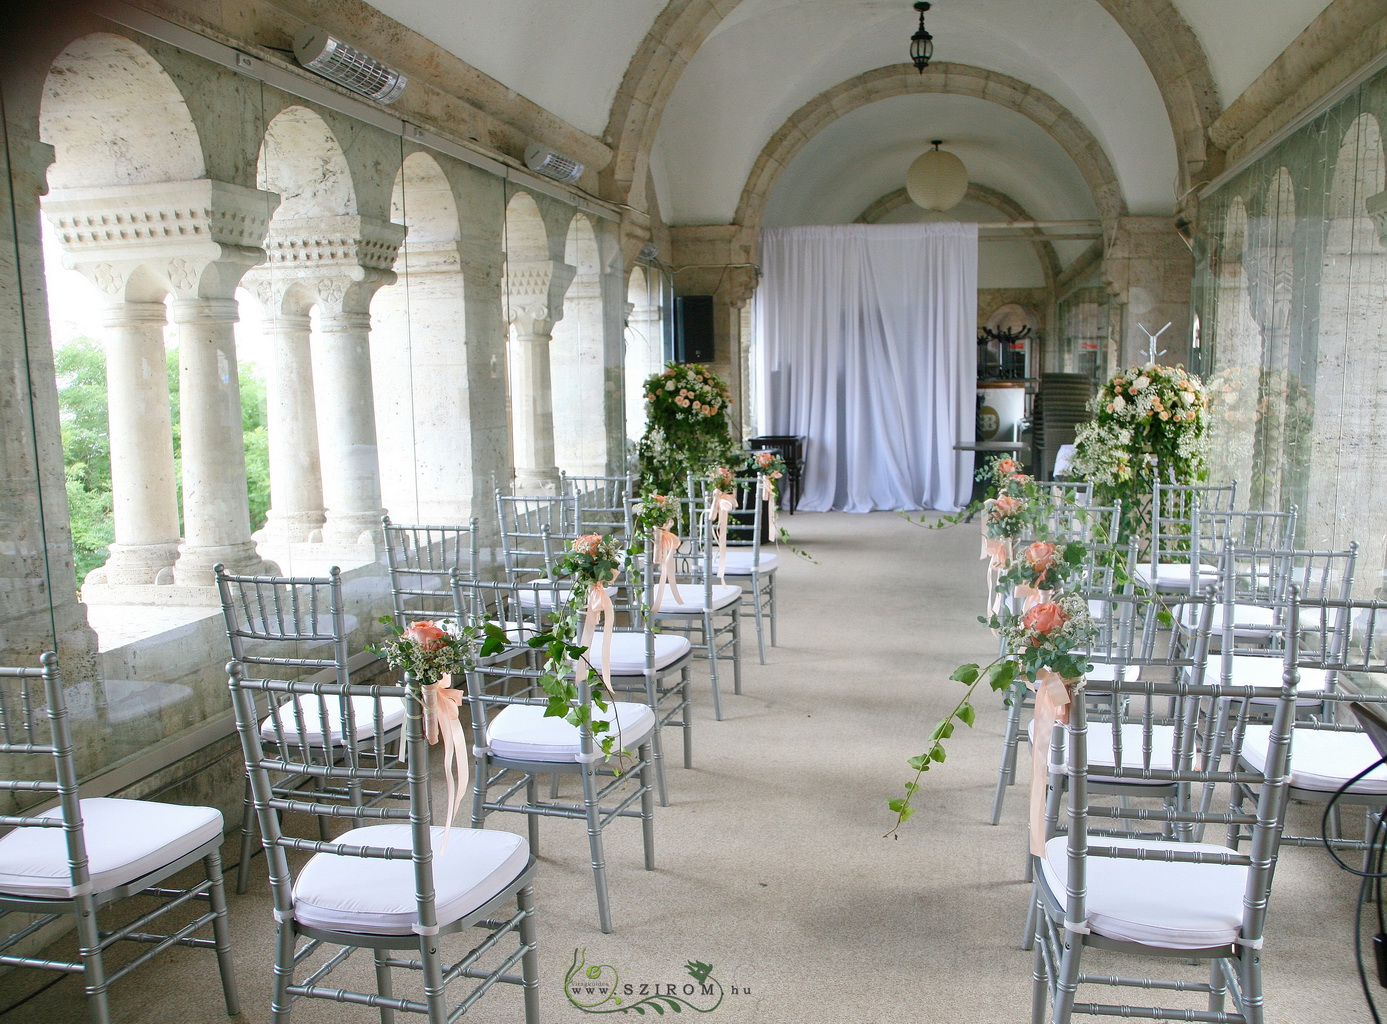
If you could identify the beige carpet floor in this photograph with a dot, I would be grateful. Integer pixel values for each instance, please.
(772, 866)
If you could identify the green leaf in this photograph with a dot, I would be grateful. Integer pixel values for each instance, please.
(967, 715)
(920, 762)
(966, 674)
(937, 752)
(942, 731)
(1002, 674)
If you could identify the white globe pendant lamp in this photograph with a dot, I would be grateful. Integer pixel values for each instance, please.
(937, 180)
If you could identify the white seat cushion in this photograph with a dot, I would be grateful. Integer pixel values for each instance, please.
(1254, 670)
(741, 562)
(1171, 575)
(1153, 902)
(723, 595)
(392, 710)
(126, 839)
(523, 732)
(1321, 760)
(530, 597)
(376, 897)
(628, 652)
(1249, 620)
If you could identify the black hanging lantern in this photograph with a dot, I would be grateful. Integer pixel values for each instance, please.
(921, 43)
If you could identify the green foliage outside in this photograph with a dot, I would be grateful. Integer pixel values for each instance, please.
(81, 371)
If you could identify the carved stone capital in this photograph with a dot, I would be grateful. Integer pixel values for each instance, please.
(311, 243)
(1377, 210)
(534, 291)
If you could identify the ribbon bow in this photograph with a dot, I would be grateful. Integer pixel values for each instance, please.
(1052, 698)
(720, 503)
(768, 489)
(443, 720)
(999, 550)
(666, 544)
(600, 608)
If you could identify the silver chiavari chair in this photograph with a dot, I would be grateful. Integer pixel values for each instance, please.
(296, 627)
(393, 883)
(1341, 643)
(516, 738)
(602, 500)
(749, 563)
(1176, 897)
(1174, 536)
(706, 610)
(78, 857)
(531, 526)
(421, 559)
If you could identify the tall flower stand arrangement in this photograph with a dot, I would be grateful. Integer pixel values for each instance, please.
(686, 428)
(1147, 423)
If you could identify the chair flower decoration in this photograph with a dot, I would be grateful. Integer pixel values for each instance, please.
(657, 514)
(592, 562)
(431, 654)
(721, 502)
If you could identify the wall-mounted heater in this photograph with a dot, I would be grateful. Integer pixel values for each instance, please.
(552, 164)
(347, 66)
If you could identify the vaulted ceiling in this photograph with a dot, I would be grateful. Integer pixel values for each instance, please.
(779, 111)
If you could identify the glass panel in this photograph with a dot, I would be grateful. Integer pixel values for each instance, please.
(1291, 290)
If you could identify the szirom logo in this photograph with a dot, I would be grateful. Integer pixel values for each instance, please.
(598, 988)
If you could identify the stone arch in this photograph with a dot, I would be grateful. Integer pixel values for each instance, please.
(996, 199)
(115, 117)
(1351, 348)
(302, 161)
(526, 237)
(1160, 33)
(645, 343)
(954, 79)
(576, 359)
(419, 360)
(1237, 369)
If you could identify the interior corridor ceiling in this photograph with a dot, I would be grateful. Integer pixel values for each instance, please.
(715, 80)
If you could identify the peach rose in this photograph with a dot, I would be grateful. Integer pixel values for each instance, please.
(764, 459)
(1006, 505)
(426, 634)
(1041, 557)
(587, 544)
(1007, 466)
(1045, 618)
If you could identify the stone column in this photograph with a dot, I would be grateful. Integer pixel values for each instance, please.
(39, 610)
(1149, 271)
(144, 491)
(216, 514)
(296, 486)
(337, 264)
(577, 369)
(347, 428)
(534, 290)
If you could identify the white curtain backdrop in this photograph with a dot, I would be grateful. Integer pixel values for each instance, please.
(867, 336)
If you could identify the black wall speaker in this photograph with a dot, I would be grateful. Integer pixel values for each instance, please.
(693, 329)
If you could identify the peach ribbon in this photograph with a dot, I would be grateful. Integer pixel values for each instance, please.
(768, 489)
(443, 721)
(1052, 696)
(999, 550)
(1030, 596)
(720, 504)
(666, 544)
(600, 608)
